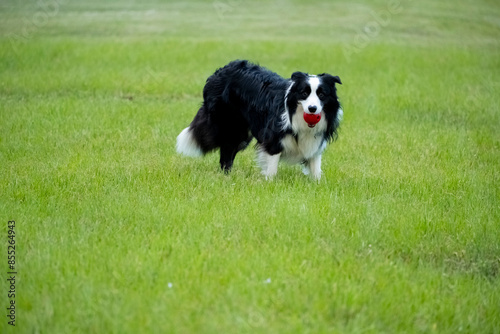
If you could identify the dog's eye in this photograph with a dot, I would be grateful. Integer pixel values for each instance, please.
(305, 94)
(321, 95)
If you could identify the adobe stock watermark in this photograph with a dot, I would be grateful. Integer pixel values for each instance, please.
(150, 80)
(45, 10)
(371, 30)
(224, 7)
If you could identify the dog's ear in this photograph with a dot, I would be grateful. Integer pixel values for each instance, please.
(330, 79)
(296, 76)
(336, 78)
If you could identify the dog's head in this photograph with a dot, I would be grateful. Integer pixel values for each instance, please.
(312, 92)
(315, 95)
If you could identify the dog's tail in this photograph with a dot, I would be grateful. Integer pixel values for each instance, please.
(199, 137)
(187, 144)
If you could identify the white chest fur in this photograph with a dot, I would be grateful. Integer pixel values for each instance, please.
(307, 143)
(298, 149)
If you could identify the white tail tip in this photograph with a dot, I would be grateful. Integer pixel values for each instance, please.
(187, 145)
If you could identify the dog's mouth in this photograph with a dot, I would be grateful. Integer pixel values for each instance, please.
(312, 119)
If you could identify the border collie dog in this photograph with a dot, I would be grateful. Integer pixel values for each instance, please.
(292, 119)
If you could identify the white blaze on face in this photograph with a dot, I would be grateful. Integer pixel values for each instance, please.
(313, 100)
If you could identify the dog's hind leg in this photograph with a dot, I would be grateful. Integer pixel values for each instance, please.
(236, 141)
(227, 155)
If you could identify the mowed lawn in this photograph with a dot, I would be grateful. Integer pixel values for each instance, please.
(116, 233)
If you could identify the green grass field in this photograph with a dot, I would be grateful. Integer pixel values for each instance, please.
(116, 233)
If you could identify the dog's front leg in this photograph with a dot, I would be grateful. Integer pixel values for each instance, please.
(314, 165)
(268, 163)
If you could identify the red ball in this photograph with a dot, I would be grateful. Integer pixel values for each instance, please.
(312, 119)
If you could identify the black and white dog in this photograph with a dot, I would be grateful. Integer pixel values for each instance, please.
(292, 119)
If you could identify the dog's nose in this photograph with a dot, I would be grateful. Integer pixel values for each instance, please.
(312, 109)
